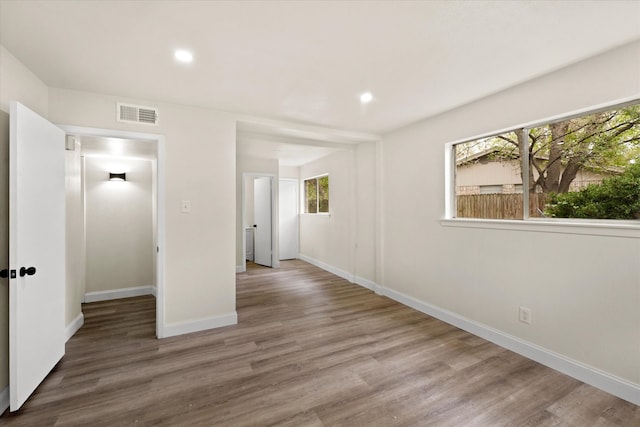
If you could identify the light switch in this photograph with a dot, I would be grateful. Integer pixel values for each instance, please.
(186, 206)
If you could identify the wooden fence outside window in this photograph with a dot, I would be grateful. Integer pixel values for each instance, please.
(498, 206)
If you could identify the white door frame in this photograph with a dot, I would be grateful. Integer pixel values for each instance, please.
(274, 218)
(160, 202)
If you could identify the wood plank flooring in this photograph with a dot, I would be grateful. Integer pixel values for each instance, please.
(310, 349)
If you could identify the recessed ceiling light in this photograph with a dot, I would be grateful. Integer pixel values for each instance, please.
(183, 55)
(366, 98)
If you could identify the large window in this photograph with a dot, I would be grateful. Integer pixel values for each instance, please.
(316, 194)
(579, 167)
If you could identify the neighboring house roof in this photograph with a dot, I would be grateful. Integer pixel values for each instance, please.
(479, 155)
(614, 170)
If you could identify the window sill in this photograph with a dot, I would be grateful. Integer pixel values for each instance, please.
(629, 229)
(321, 214)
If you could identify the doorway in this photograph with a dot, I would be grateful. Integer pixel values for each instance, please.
(259, 217)
(121, 217)
(119, 211)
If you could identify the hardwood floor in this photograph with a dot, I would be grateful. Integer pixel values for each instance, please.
(310, 349)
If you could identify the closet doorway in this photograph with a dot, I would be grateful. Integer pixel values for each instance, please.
(122, 232)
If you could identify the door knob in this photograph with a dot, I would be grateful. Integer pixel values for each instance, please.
(27, 271)
(4, 273)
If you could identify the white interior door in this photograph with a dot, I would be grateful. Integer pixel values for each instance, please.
(36, 251)
(288, 218)
(262, 221)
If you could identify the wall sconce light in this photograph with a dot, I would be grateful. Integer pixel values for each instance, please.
(117, 176)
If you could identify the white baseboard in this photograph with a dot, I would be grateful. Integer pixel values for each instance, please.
(240, 269)
(4, 400)
(587, 374)
(188, 327)
(366, 283)
(73, 327)
(331, 269)
(119, 293)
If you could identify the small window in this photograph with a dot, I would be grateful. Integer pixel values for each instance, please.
(316, 194)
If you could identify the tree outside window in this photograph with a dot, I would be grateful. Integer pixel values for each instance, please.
(316, 192)
(579, 167)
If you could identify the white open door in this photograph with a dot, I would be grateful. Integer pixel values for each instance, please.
(288, 218)
(262, 221)
(36, 251)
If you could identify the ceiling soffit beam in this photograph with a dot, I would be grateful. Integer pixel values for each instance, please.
(301, 132)
(244, 136)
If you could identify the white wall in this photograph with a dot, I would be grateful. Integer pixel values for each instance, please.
(583, 290)
(260, 166)
(346, 241)
(199, 166)
(120, 247)
(18, 83)
(366, 205)
(292, 172)
(330, 239)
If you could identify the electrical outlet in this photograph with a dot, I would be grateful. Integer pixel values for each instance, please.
(525, 315)
(185, 206)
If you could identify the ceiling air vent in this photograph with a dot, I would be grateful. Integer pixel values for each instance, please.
(137, 114)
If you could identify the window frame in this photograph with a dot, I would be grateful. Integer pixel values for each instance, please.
(610, 227)
(304, 196)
